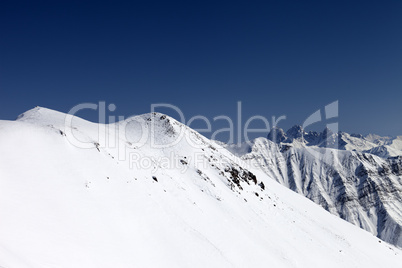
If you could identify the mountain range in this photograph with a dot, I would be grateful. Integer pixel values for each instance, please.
(381, 146)
(356, 177)
(149, 191)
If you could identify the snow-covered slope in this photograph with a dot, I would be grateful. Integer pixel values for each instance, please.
(361, 188)
(118, 203)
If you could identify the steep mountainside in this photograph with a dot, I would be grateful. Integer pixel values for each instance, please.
(150, 192)
(361, 188)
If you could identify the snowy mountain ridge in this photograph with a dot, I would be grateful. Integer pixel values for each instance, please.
(62, 205)
(360, 182)
(374, 144)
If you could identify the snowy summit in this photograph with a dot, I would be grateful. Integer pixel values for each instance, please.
(91, 195)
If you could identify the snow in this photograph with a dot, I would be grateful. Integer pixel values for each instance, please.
(65, 206)
(361, 188)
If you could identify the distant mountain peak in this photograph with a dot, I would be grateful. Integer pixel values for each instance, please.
(295, 132)
(277, 135)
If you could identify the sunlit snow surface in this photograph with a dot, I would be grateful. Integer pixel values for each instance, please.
(64, 206)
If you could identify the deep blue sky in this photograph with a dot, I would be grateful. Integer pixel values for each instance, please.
(277, 57)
